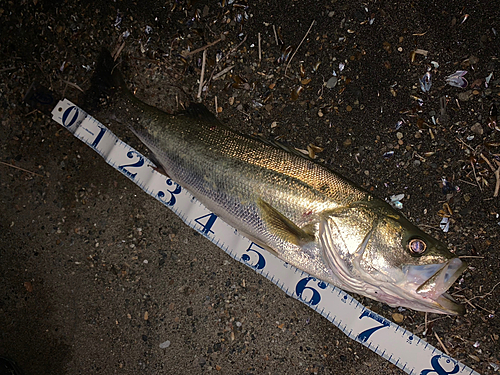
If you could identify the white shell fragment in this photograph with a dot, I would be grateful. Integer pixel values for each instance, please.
(426, 82)
(457, 79)
(445, 224)
(165, 344)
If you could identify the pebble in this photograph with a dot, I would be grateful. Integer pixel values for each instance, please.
(464, 96)
(165, 344)
(475, 357)
(332, 82)
(477, 128)
(398, 318)
(399, 135)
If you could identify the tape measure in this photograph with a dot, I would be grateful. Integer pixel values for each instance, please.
(399, 346)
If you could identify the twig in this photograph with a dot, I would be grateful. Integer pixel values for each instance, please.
(497, 176)
(118, 51)
(465, 144)
(186, 54)
(275, 35)
(260, 51)
(222, 72)
(74, 85)
(470, 256)
(475, 176)
(425, 323)
(466, 300)
(216, 106)
(225, 57)
(7, 69)
(21, 169)
(441, 343)
(302, 41)
(200, 88)
(487, 294)
(31, 112)
(487, 161)
(467, 182)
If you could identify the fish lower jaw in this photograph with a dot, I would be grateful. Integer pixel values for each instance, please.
(407, 297)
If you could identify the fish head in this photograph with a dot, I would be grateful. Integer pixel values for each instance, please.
(375, 251)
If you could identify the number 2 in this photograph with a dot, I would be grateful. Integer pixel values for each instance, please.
(138, 163)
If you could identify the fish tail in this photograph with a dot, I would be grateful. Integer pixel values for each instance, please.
(107, 86)
(105, 81)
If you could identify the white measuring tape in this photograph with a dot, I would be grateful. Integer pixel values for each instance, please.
(399, 346)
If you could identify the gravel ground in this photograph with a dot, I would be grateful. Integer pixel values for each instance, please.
(95, 274)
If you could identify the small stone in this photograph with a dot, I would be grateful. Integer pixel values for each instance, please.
(348, 142)
(418, 135)
(475, 357)
(332, 82)
(165, 344)
(218, 368)
(464, 96)
(348, 108)
(399, 135)
(397, 317)
(146, 315)
(28, 286)
(477, 128)
(190, 311)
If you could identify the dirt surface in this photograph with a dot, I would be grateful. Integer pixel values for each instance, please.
(95, 274)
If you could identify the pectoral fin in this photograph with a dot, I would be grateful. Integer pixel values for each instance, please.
(283, 227)
(157, 167)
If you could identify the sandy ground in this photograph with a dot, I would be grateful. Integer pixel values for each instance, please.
(95, 275)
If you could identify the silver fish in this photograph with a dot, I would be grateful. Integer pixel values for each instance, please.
(298, 209)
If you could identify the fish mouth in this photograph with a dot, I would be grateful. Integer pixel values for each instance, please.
(434, 280)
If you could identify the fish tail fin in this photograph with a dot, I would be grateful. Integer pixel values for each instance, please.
(104, 82)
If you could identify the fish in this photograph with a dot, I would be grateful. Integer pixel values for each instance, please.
(298, 209)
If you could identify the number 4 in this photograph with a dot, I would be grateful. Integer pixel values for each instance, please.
(207, 226)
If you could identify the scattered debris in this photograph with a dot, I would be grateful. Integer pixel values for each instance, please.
(445, 224)
(457, 79)
(331, 83)
(165, 344)
(394, 201)
(426, 82)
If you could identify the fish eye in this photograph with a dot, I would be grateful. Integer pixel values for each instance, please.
(417, 246)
